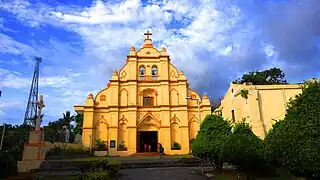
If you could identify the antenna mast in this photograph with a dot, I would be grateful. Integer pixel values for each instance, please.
(32, 106)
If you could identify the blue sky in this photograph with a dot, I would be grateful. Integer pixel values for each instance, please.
(213, 41)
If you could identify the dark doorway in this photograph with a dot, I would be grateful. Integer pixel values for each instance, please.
(147, 138)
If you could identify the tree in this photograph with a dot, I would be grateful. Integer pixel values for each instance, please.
(79, 122)
(15, 138)
(295, 141)
(214, 131)
(270, 76)
(54, 129)
(245, 150)
(67, 119)
(201, 148)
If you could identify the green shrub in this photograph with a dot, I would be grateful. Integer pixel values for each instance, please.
(114, 168)
(97, 175)
(294, 142)
(122, 146)
(176, 146)
(245, 150)
(214, 131)
(97, 165)
(64, 151)
(8, 165)
(100, 145)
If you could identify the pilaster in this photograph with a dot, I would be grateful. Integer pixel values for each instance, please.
(88, 127)
(165, 99)
(184, 139)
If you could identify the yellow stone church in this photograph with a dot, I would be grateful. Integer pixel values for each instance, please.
(146, 103)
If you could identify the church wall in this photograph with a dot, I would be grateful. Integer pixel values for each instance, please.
(265, 104)
(164, 91)
(164, 68)
(274, 104)
(132, 68)
(87, 132)
(133, 94)
(114, 94)
(173, 72)
(174, 97)
(183, 93)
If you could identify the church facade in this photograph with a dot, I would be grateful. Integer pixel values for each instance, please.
(261, 107)
(147, 103)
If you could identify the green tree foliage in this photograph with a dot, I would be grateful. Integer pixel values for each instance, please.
(15, 138)
(55, 128)
(245, 150)
(8, 165)
(294, 142)
(79, 122)
(209, 143)
(270, 76)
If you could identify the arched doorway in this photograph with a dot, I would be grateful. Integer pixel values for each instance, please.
(147, 134)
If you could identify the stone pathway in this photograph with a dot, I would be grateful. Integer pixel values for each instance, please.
(172, 173)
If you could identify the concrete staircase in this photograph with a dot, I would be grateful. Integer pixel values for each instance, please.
(70, 168)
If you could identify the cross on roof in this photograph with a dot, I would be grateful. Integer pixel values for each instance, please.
(147, 34)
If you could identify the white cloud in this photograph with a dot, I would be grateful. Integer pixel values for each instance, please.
(8, 45)
(10, 104)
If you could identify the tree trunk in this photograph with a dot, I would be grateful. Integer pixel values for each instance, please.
(212, 164)
(219, 167)
(202, 168)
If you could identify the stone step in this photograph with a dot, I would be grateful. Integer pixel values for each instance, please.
(58, 173)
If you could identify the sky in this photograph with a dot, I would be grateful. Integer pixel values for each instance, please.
(214, 42)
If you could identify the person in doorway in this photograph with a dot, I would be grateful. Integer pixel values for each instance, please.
(149, 148)
(145, 147)
(161, 151)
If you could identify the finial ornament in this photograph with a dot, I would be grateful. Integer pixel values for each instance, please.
(147, 34)
(90, 96)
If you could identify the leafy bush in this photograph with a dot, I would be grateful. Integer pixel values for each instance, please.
(176, 146)
(113, 168)
(64, 151)
(96, 175)
(245, 150)
(100, 145)
(294, 142)
(8, 165)
(103, 165)
(122, 146)
(209, 143)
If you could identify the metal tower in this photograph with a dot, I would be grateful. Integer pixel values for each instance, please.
(32, 106)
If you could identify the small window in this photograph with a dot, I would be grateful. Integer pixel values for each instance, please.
(231, 90)
(154, 71)
(147, 101)
(233, 116)
(142, 71)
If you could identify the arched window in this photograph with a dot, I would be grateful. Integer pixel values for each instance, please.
(154, 70)
(142, 71)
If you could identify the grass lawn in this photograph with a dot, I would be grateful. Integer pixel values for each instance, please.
(119, 158)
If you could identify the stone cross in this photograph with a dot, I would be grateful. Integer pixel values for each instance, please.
(147, 34)
(40, 106)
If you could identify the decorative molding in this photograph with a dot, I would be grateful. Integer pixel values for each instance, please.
(123, 120)
(103, 98)
(124, 89)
